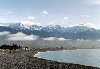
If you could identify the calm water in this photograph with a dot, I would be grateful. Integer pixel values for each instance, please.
(90, 57)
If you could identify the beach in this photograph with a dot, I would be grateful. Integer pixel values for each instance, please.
(25, 60)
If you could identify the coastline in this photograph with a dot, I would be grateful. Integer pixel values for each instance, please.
(76, 66)
(26, 60)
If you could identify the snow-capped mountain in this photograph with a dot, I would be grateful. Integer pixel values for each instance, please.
(81, 31)
(21, 26)
(79, 27)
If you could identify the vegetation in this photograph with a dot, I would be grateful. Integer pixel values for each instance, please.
(10, 47)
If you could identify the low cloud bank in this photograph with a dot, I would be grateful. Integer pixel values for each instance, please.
(4, 33)
(34, 41)
(49, 38)
(21, 36)
(54, 38)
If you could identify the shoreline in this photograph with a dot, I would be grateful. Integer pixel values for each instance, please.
(54, 49)
(84, 66)
(26, 60)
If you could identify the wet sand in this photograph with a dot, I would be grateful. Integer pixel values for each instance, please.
(26, 60)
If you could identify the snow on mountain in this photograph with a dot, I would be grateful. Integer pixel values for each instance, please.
(35, 27)
(81, 31)
(32, 26)
(4, 24)
(82, 27)
(26, 24)
(23, 25)
(52, 28)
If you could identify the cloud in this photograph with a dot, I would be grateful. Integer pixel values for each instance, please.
(93, 2)
(54, 38)
(21, 36)
(4, 33)
(31, 18)
(91, 25)
(30, 23)
(84, 16)
(9, 12)
(65, 18)
(27, 22)
(65, 21)
(44, 12)
(98, 40)
(49, 38)
(39, 24)
(82, 40)
(61, 39)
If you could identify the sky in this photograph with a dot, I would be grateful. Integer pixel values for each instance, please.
(51, 12)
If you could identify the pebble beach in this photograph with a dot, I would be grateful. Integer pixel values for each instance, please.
(26, 60)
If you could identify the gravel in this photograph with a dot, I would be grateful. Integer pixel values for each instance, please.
(26, 60)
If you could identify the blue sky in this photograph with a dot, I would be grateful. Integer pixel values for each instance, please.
(46, 12)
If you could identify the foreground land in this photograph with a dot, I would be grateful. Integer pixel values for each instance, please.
(26, 60)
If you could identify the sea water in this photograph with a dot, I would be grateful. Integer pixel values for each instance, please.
(88, 57)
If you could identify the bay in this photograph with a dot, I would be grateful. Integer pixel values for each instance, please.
(88, 57)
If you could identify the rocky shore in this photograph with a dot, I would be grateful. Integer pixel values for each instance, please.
(26, 60)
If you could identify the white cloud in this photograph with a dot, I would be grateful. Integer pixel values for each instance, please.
(4, 33)
(9, 12)
(44, 12)
(98, 40)
(61, 39)
(82, 40)
(39, 24)
(30, 23)
(84, 16)
(49, 38)
(91, 25)
(65, 18)
(54, 38)
(94, 2)
(65, 21)
(27, 22)
(31, 18)
(21, 36)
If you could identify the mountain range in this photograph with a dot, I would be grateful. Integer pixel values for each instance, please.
(80, 31)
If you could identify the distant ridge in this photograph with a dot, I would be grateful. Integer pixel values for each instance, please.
(81, 31)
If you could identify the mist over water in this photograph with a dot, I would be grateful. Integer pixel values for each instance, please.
(36, 41)
(55, 43)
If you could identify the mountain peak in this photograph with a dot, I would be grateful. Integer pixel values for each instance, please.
(81, 31)
(33, 26)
